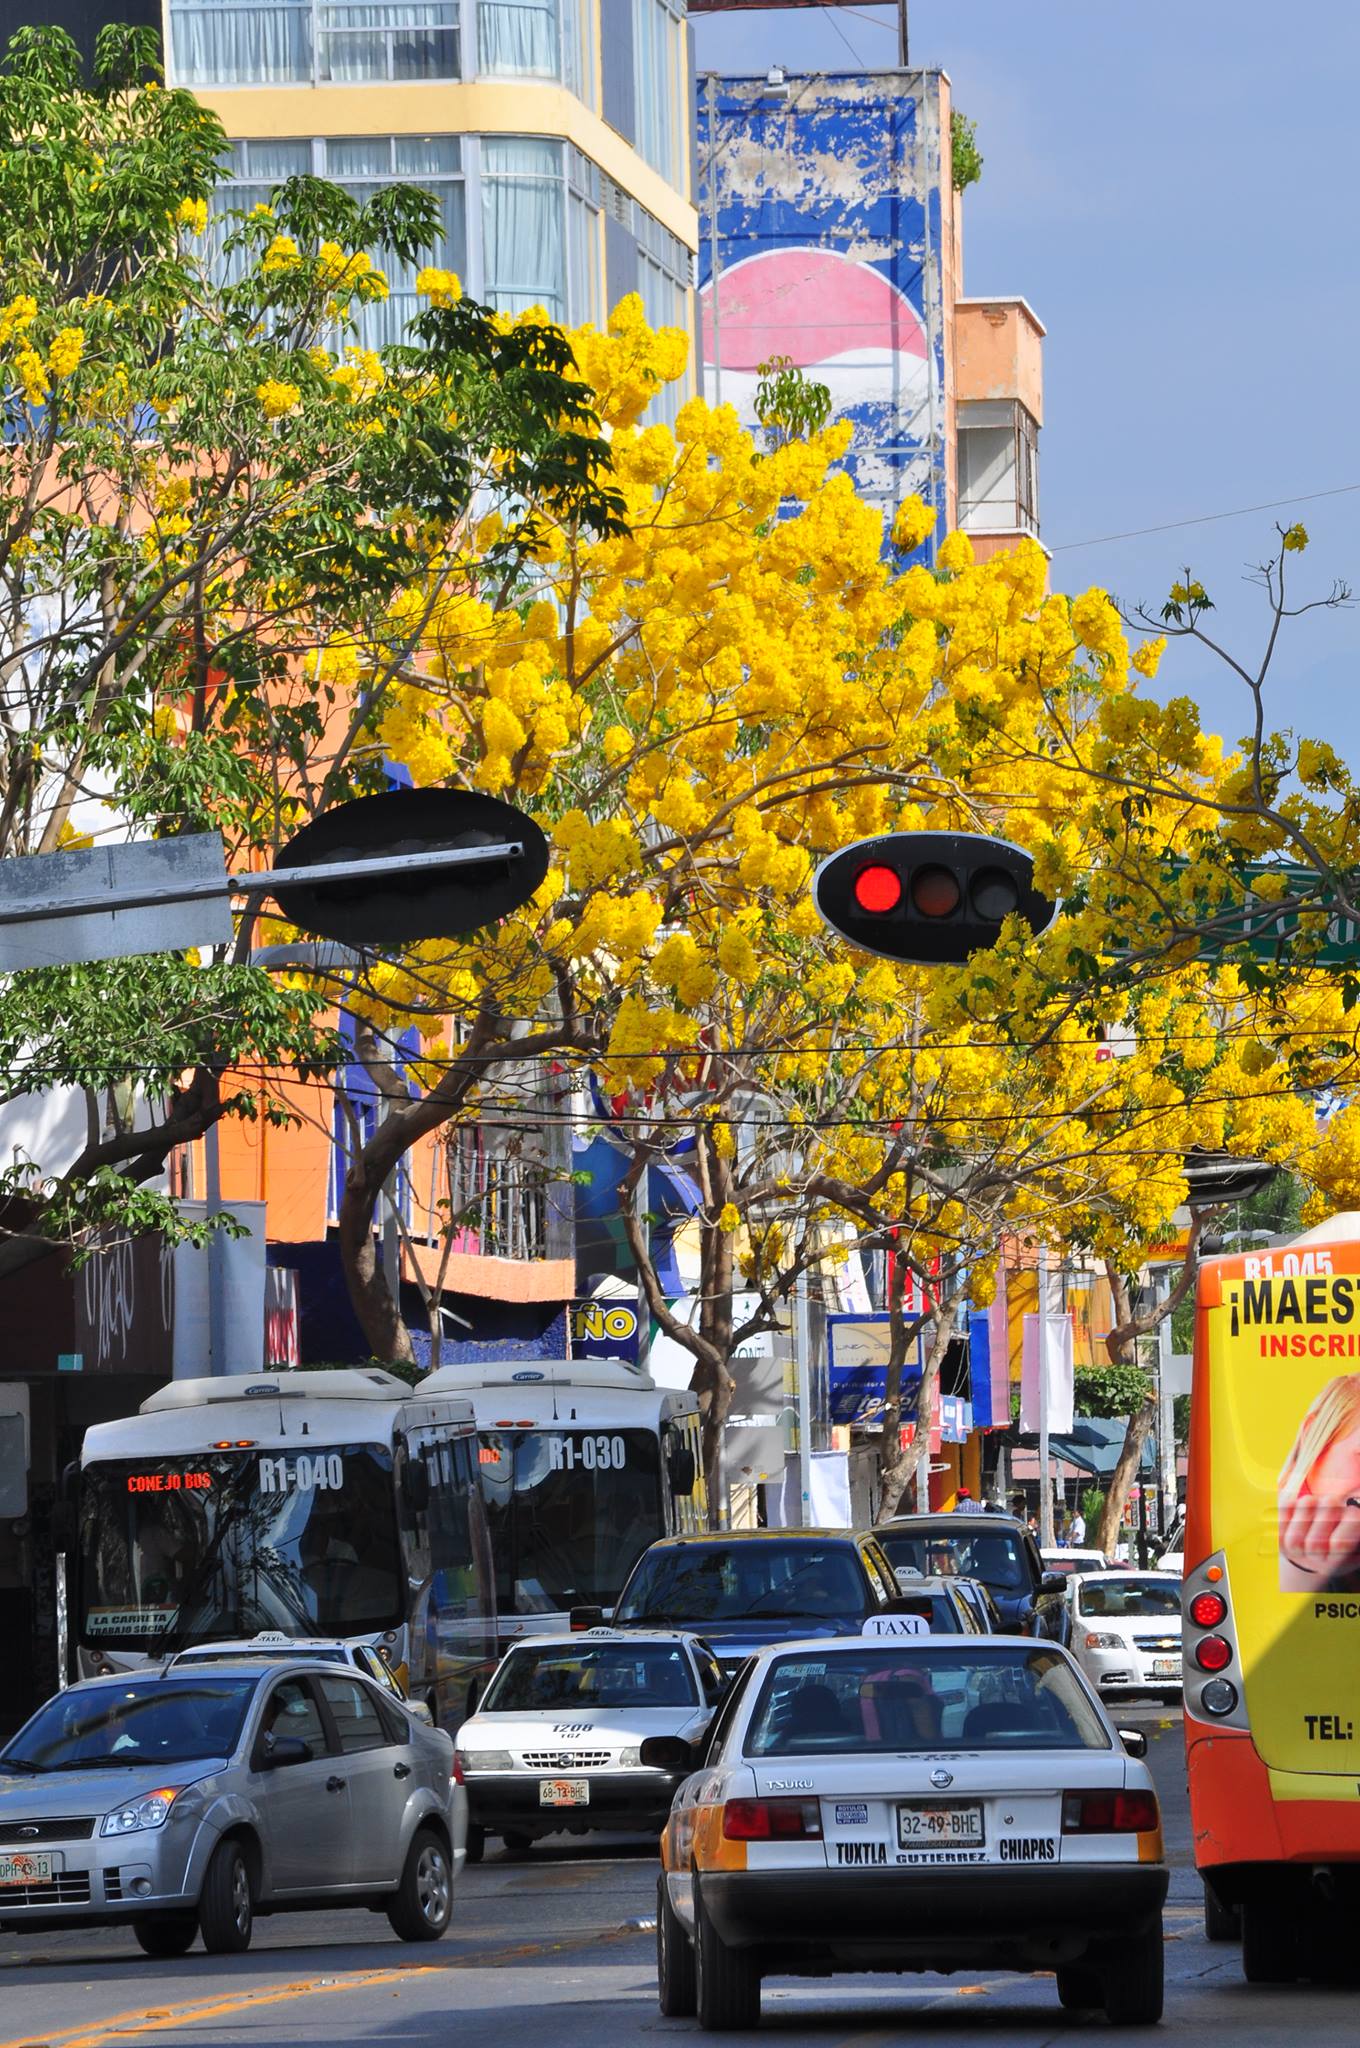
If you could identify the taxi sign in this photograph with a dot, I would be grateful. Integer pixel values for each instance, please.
(896, 1625)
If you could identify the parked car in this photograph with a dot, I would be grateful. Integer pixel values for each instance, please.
(997, 1549)
(273, 1644)
(556, 1741)
(187, 1801)
(1126, 1631)
(744, 1588)
(1068, 1561)
(938, 1803)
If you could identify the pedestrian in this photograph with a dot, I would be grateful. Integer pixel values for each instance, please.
(964, 1504)
(1078, 1526)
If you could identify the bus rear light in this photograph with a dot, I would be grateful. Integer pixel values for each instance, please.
(1219, 1696)
(1207, 1610)
(1214, 1653)
(772, 1820)
(1110, 1813)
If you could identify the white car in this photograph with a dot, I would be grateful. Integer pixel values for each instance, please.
(316, 1649)
(912, 1803)
(559, 1736)
(1126, 1630)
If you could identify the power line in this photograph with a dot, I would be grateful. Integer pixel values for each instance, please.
(1203, 519)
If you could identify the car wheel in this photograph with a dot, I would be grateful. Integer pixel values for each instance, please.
(1079, 1990)
(226, 1904)
(1221, 1923)
(726, 1980)
(674, 1959)
(167, 1934)
(1270, 1943)
(423, 1904)
(1131, 1979)
(517, 1845)
(476, 1842)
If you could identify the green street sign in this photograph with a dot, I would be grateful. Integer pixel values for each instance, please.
(1269, 930)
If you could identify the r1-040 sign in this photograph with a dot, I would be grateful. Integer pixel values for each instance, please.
(326, 1469)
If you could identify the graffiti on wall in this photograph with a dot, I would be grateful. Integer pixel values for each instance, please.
(820, 225)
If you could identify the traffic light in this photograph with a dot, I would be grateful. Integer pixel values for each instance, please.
(928, 897)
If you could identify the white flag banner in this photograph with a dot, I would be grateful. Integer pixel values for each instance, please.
(1050, 1367)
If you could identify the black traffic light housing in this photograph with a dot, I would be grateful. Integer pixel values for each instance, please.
(931, 898)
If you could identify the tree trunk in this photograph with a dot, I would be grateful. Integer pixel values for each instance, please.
(916, 1457)
(1125, 1472)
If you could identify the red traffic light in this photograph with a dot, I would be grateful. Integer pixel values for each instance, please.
(878, 889)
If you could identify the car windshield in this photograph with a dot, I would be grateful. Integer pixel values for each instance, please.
(189, 1550)
(871, 1700)
(992, 1555)
(569, 1511)
(147, 1721)
(1108, 1599)
(598, 1675)
(746, 1582)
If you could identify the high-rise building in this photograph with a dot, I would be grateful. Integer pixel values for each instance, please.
(831, 235)
(555, 134)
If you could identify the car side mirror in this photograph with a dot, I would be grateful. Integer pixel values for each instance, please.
(1134, 1741)
(683, 1470)
(585, 1617)
(666, 1753)
(276, 1751)
(415, 1485)
(1053, 1582)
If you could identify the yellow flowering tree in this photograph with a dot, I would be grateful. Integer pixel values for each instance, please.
(209, 489)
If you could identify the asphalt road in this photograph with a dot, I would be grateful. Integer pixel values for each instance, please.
(558, 1950)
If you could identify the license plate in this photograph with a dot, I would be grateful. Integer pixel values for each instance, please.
(939, 1827)
(25, 1870)
(1166, 1667)
(564, 1791)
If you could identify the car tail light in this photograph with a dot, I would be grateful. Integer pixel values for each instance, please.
(1207, 1610)
(1214, 1653)
(458, 1777)
(772, 1820)
(1110, 1813)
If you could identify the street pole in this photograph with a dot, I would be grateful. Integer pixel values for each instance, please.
(903, 35)
(802, 1363)
(1166, 1426)
(1045, 1483)
(217, 1254)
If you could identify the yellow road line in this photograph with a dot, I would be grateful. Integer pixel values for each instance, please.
(160, 2020)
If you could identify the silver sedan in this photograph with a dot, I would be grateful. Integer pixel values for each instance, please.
(188, 1800)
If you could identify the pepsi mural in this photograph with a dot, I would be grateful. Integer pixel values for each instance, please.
(822, 212)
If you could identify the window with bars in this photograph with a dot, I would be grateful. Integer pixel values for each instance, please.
(998, 442)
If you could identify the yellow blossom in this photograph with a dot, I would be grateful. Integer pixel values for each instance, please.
(67, 347)
(277, 397)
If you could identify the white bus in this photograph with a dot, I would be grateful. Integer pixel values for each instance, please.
(583, 1462)
(313, 1503)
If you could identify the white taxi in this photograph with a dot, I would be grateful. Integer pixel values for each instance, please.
(912, 1802)
(557, 1740)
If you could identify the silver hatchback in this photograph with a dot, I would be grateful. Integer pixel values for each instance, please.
(188, 1800)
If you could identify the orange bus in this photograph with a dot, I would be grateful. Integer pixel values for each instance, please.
(1272, 1600)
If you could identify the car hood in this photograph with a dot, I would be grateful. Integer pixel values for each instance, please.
(57, 1794)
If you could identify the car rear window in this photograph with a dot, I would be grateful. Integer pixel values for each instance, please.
(875, 1700)
(936, 1612)
(992, 1555)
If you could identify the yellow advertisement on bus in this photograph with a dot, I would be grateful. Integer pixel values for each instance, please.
(1272, 1588)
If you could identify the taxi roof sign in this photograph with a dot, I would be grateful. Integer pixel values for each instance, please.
(896, 1625)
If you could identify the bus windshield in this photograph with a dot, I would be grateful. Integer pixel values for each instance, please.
(570, 1510)
(193, 1548)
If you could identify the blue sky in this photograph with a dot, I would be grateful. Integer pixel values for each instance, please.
(1174, 190)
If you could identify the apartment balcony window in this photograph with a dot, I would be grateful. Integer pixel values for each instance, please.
(494, 1200)
(312, 42)
(661, 87)
(998, 467)
(363, 165)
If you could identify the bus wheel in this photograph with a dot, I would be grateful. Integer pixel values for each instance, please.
(476, 1842)
(1221, 1923)
(1270, 1943)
